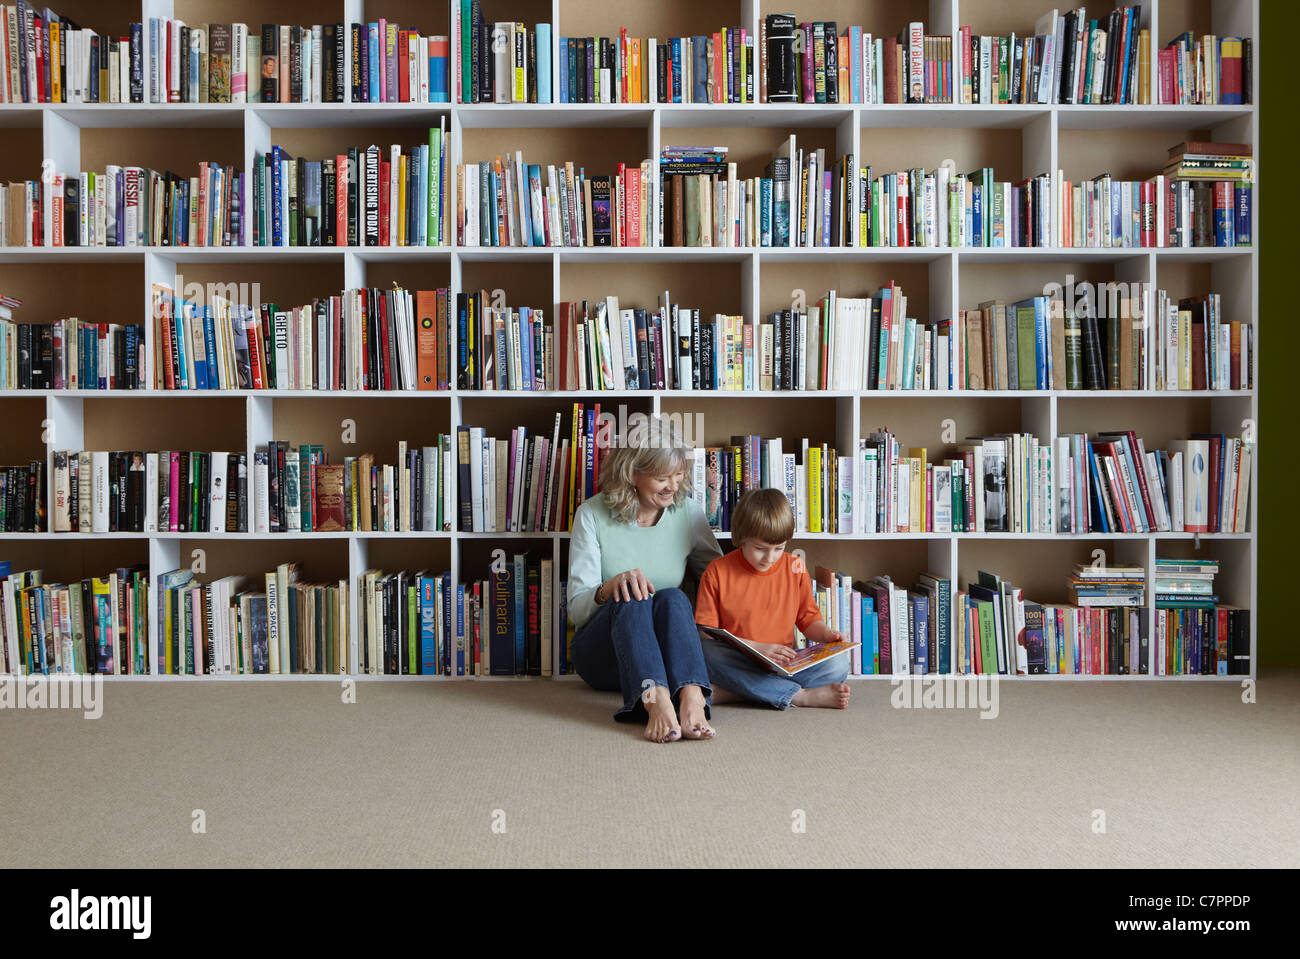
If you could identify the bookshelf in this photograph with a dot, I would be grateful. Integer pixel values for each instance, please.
(114, 284)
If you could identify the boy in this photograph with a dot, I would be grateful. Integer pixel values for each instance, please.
(760, 593)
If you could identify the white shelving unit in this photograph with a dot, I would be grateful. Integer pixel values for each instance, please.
(1049, 135)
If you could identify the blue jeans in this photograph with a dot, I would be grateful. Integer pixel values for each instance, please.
(734, 671)
(629, 645)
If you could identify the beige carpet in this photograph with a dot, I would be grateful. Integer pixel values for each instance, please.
(414, 774)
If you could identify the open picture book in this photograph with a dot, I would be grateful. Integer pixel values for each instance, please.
(811, 655)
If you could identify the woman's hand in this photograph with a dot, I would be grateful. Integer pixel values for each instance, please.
(626, 586)
(778, 653)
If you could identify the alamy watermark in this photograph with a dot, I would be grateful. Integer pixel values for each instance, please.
(85, 692)
(947, 692)
(644, 431)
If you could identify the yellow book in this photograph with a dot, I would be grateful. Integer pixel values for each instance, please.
(1184, 349)
(401, 201)
(916, 510)
(814, 489)
(55, 86)
(1144, 66)
(520, 67)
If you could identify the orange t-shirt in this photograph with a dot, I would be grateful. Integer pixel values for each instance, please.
(761, 607)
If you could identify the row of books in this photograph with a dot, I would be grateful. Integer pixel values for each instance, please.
(1068, 59)
(500, 61)
(1207, 69)
(95, 625)
(297, 489)
(508, 203)
(1160, 212)
(813, 62)
(72, 354)
(101, 491)
(1108, 483)
(1197, 349)
(704, 68)
(1100, 342)
(362, 197)
(360, 339)
(1111, 483)
(393, 64)
(274, 624)
(22, 497)
(532, 482)
(422, 624)
(419, 623)
(126, 206)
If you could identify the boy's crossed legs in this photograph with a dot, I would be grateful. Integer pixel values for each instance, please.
(736, 677)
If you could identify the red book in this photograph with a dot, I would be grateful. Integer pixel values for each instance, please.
(889, 73)
(1148, 214)
(336, 341)
(1230, 75)
(385, 174)
(404, 66)
(37, 27)
(255, 353)
(385, 378)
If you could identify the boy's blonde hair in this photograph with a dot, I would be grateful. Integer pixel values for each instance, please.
(763, 515)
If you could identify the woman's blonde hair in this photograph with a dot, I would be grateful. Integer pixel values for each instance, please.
(659, 451)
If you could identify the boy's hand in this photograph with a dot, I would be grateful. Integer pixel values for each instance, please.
(833, 636)
(778, 653)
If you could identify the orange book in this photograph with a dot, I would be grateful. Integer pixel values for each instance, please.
(845, 91)
(810, 655)
(426, 339)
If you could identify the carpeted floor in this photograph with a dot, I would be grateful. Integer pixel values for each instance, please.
(418, 774)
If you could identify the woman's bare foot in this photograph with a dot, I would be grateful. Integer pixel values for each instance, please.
(691, 713)
(830, 696)
(663, 726)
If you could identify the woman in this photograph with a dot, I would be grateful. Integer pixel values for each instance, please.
(630, 549)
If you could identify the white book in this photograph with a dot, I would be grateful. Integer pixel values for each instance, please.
(239, 64)
(801, 495)
(217, 493)
(470, 205)
(475, 473)
(99, 491)
(942, 499)
(151, 492)
(844, 495)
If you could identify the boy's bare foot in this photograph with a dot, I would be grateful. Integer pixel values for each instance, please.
(830, 696)
(694, 725)
(663, 726)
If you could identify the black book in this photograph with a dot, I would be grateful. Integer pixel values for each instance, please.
(270, 67)
(329, 209)
(661, 73)
(642, 348)
(137, 63)
(295, 64)
(782, 67)
(71, 206)
(533, 616)
(43, 358)
(358, 49)
(706, 357)
(351, 174)
(832, 62)
(476, 51)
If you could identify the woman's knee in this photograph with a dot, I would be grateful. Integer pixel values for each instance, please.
(672, 598)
